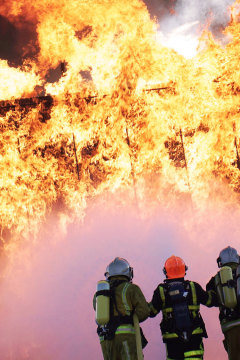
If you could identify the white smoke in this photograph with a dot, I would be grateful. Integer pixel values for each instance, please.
(181, 30)
(182, 39)
(46, 300)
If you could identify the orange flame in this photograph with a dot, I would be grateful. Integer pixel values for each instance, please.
(110, 133)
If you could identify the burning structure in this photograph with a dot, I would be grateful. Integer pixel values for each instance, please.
(118, 131)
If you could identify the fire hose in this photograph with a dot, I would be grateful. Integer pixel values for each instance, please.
(138, 337)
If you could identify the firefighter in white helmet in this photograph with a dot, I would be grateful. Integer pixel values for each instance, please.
(226, 284)
(117, 336)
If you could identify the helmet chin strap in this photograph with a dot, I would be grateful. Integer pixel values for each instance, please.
(219, 262)
(165, 271)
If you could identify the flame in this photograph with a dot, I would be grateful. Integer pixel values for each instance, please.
(114, 132)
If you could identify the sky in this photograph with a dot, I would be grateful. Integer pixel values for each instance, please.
(46, 299)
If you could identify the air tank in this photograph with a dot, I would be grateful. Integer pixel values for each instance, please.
(229, 293)
(219, 291)
(238, 283)
(103, 302)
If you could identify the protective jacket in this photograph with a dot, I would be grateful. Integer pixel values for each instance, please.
(194, 295)
(228, 319)
(128, 298)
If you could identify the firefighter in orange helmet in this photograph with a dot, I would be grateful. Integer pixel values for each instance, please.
(182, 326)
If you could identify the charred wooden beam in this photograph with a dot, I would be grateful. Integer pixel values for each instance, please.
(237, 153)
(236, 146)
(157, 89)
(31, 102)
(62, 69)
(184, 156)
(45, 103)
(76, 158)
(49, 100)
(186, 167)
(132, 170)
(19, 146)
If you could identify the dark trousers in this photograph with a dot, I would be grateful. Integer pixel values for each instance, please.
(179, 350)
(232, 343)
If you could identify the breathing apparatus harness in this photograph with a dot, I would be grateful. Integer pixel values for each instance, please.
(180, 319)
(108, 331)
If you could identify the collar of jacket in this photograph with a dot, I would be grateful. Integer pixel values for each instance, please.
(118, 277)
(174, 280)
(233, 266)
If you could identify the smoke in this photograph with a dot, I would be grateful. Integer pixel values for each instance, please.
(8, 43)
(172, 14)
(181, 22)
(17, 43)
(161, 8)
(46, 299)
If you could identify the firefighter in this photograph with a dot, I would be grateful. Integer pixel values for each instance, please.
(117, 337)
(226, 283)
(182, 326)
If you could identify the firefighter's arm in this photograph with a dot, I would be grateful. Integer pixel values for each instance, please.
(211, 285)
(155, 304)
(207, 298)
(139, 303)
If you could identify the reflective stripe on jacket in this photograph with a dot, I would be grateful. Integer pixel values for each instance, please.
(125, 329)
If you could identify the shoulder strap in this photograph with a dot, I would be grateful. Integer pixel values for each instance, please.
(186, 284)
(103, 292)
(113, 287)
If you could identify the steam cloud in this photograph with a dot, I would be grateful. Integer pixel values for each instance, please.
(46, 301)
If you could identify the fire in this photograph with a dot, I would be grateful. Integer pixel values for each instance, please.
(147, 122)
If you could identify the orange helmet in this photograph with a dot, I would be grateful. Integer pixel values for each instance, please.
(174, 268)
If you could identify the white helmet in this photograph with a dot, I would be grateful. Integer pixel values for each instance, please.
(228, 255)
(119, 266)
